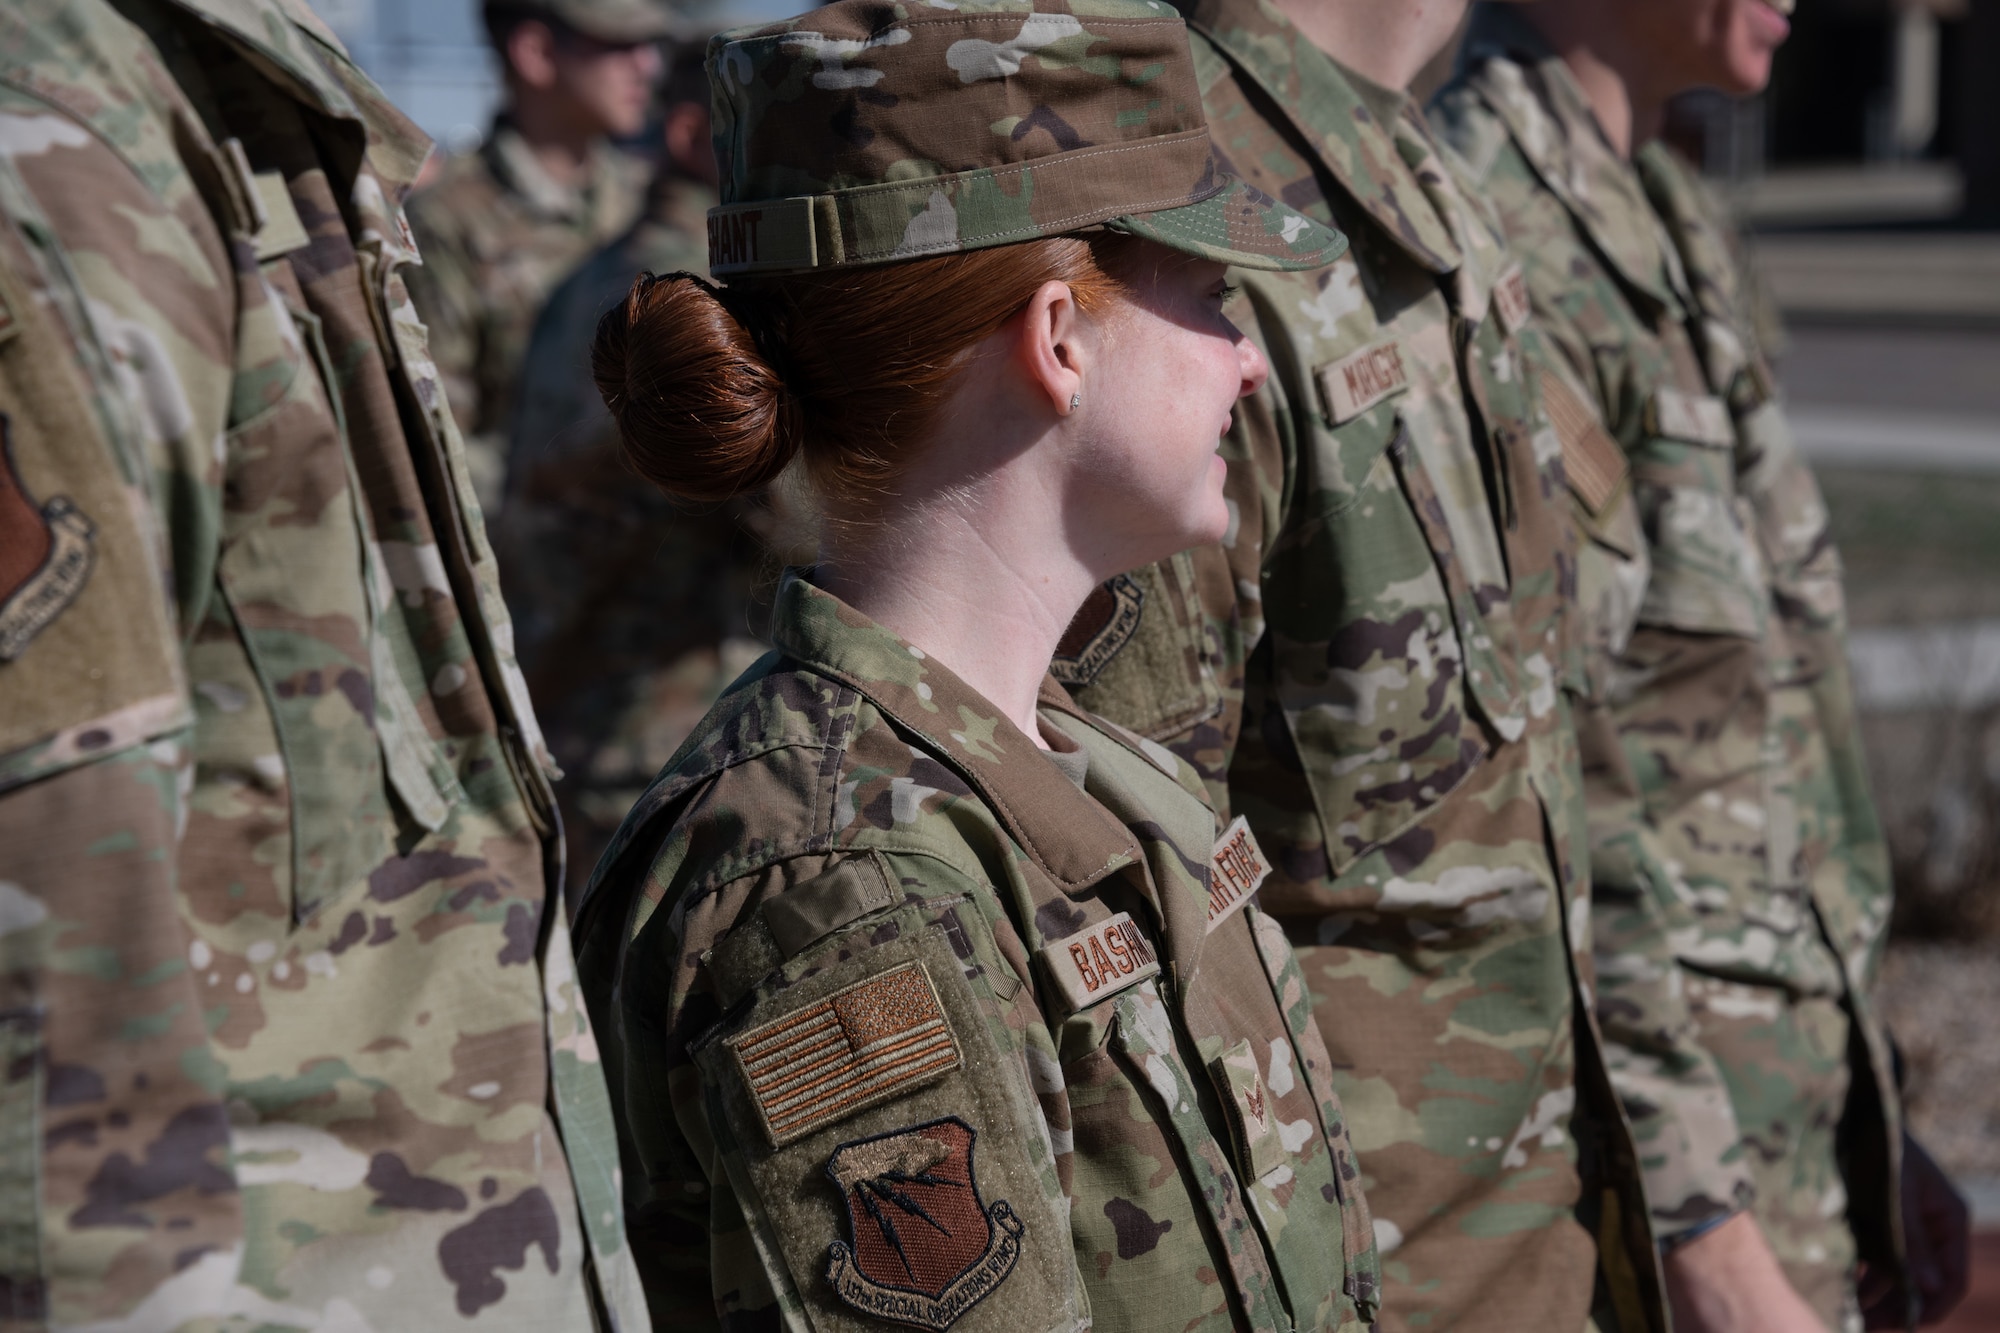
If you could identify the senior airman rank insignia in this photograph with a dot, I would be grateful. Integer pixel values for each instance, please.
(924, 1247)
(867, 1044)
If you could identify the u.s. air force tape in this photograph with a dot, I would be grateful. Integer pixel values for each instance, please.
(1236, 869)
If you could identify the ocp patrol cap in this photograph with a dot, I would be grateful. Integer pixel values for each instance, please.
(870, 131)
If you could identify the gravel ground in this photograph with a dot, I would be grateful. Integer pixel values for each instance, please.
(1943, 1003)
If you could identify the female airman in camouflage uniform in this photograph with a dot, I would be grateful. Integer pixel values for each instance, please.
(924, 986)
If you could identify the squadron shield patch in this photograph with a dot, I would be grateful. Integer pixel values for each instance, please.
(870, 1043)
(1103, 626)
(45, 555)
(925, 1248)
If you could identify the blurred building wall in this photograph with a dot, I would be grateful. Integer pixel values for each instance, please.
(430, 56)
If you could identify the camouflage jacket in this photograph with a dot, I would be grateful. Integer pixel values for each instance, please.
(1369, 670)
(1732, 831)
(497, 235)
(857, 869)
(631, 612)
(291, 1032)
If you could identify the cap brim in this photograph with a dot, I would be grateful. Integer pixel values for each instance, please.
(627, 29)
(1241, 225)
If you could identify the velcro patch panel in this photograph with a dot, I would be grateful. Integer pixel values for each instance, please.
(1100, 960)
(870, 1043)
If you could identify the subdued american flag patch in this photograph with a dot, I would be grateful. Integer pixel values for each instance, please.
(870, 1043)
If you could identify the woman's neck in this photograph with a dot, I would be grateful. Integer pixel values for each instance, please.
(1628, 107)
(1387, 42)
(984, 583)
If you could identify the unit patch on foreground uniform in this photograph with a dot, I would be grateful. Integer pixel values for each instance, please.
(1100, 960)
(1236, 869)
(45, 555)
(925, 1248)
(1104, 624)
(872, 1042)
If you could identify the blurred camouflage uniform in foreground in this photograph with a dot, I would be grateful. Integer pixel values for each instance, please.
(292, 1038)
(1370, 670)
(498, 233)
(1741, 878)
(631, 611)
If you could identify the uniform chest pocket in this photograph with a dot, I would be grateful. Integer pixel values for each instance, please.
(1368, 661)
(1707, 574)
(296, 573)
(1153, 1181)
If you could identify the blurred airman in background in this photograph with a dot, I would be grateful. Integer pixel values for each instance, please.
(504, 224)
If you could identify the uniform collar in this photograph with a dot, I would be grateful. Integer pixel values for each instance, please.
(1531, 90)
(1074, 842)
(304, 56)
(1324, 106)
(516, 167)
(1709, 261)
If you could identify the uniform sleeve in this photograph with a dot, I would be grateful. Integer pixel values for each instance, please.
(116, 312)
(1672, 1089)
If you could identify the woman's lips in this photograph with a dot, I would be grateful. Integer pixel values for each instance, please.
(1769, 19)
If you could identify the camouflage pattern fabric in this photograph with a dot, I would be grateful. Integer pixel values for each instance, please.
(864, 133)
(292, 1034)
(1156, 1117)
(631, 612)
(497, 234)
(1381, 643)
(1733, 839)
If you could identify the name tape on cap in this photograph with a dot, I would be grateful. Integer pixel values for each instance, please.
(1236, 870)
(1100, 960)
(1357, 382)
(768, 234)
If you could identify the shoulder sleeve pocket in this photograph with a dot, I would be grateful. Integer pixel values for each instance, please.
(876, 1126)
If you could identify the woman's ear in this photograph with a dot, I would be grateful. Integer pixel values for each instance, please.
(1055, 345)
